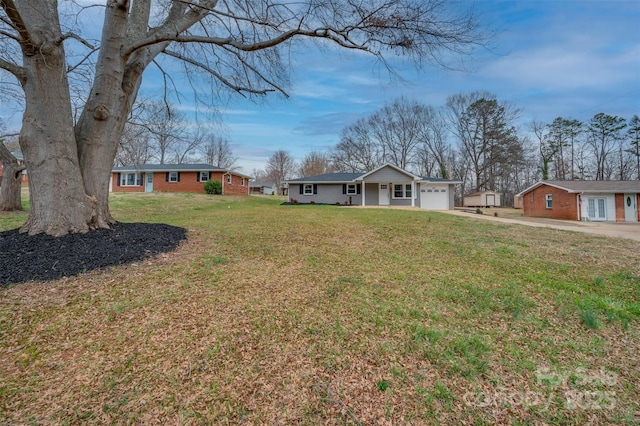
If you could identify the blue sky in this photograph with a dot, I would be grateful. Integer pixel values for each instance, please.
(550, 58)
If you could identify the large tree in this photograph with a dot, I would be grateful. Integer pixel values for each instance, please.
(10, 181)
(237, 43)
(603, 132)
(280, 167)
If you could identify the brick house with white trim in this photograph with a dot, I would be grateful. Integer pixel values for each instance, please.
(176, 178)
(613, 201)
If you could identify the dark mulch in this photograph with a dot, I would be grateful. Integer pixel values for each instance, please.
(42, 257)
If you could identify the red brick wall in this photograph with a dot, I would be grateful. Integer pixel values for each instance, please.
(116, 188)
(565, 205)
(188, 183)
(234, 187)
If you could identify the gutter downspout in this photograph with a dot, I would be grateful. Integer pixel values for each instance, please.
(362, 191)
(413, 193)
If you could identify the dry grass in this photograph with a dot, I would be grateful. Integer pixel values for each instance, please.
(330, 315)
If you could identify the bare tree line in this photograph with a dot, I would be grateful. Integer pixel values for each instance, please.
(158, 133)
(475, 138)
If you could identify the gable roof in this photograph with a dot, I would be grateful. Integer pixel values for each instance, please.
(328, 178)
(199, 167)
(352, 177)
(388, 165)
(577, 186)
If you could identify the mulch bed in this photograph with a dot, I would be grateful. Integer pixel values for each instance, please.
(43, 257)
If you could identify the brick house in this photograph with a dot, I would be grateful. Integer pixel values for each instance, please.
(583, 200)
(176, 178)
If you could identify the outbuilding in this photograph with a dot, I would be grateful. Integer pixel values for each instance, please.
(614, 201)
(482, 199)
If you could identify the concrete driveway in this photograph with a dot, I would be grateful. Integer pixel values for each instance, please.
(609, 229)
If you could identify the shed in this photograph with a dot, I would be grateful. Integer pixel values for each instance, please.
(482, 199)
(517, 202)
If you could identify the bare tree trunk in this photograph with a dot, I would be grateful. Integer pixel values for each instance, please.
(59, 204)
(10, 199)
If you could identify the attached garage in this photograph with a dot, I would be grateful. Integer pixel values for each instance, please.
(436, 197)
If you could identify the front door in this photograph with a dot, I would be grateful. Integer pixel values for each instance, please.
(384, 195)
(597, 208)
(148, 185)
(630, 208)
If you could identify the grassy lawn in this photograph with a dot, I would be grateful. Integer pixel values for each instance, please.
(275, 314)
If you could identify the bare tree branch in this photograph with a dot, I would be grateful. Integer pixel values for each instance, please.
(217, 75)
(19, 72)
(26, 38)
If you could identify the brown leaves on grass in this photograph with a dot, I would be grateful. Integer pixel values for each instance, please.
(302, 326)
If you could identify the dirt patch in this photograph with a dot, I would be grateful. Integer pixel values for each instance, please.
(43, 257)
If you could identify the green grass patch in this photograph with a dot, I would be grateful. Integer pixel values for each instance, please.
(325, 315)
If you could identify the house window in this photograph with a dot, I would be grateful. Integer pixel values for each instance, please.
(242, 181)
(173, 177)
(352, 189)
(308, 189)
(130, 179)
(549, 201)
(401, 190)
(204, 176)
(228, 178)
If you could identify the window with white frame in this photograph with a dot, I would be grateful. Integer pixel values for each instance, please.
(173, 176)
(308, 189)
(229, 178)
(204, 176)
(130, 179)
(549, 201)
(352, 189)
(401, 190)
(242, 181)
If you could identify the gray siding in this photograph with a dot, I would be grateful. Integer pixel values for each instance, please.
(387, 175)
(371, 196)
(327, 194)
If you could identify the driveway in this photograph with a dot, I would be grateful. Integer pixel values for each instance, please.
(609, 229)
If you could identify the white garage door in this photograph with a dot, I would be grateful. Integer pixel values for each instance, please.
(434, 198)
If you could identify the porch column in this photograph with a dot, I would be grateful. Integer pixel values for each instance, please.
(362, 191)
(413, 193)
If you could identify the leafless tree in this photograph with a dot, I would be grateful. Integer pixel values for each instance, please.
(280, 167)
(237, 43)
(217, 152)
(315, 163)
(435, 150)
(399, 128)
(358, 150)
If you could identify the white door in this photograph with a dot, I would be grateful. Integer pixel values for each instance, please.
(148, 186)
(630, 208)
(384, 195)
(597, 208)
(434, 198)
